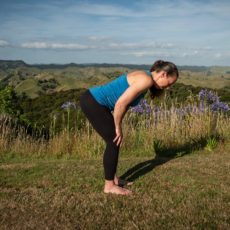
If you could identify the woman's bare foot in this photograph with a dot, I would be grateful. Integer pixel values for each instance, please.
(111, 187)
(117, 190)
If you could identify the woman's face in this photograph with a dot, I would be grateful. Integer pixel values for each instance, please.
(163, 80)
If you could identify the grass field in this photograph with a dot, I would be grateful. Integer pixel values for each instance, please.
(189, 192)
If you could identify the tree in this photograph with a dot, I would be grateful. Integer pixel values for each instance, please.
(9, 102)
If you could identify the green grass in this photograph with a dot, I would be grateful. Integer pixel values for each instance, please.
(189, 192)
(29, 86)
(200, 80)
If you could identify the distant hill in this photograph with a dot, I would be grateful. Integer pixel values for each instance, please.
(39, 79)
(8, 64)
(19, 63)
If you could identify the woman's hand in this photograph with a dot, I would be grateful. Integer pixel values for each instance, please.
(119, 136)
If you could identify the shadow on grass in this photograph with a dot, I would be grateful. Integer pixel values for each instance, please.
(163, 155)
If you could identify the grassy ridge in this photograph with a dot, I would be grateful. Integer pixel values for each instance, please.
(25, 78)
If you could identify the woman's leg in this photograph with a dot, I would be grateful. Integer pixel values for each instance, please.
(102, 121)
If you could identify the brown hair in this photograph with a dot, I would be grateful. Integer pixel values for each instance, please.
(169, 68)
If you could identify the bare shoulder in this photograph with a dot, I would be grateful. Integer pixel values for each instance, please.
(138, 76)
(138, 82)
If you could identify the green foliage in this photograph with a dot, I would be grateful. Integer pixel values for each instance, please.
(48, 84)
(9, 102)
(113, 74)
(42, 110)
(158, 146)
(5, 81)
(211, 144)
(224, 94)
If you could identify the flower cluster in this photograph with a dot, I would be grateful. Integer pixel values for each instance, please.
(68, 105)
(142, 108)
(207, 98)
(213, 100)
(219, 105)
(180, 112)
(208, 95)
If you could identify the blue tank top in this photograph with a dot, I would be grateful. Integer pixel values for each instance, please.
(109, 93)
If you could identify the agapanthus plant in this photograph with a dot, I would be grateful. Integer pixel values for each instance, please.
(68, 105)
(213, 100)
(208, 95)
(207, 99)
(142, 108)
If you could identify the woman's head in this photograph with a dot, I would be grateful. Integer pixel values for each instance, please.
(164, 74)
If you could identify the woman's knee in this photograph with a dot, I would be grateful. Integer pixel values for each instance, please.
(112, 145)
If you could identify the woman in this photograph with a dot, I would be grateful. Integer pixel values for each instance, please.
(117, 96)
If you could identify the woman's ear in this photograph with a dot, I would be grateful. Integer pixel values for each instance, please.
(163, 74)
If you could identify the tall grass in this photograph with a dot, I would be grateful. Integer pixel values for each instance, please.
(163, 131)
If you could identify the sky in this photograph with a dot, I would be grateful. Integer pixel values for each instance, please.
(190, 32)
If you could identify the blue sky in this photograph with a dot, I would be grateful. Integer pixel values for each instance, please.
(123, 31)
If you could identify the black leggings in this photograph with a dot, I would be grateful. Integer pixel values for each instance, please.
(102, 121)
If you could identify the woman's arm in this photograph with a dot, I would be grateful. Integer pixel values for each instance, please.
(127, 97)
(131, 93)
(119, 112)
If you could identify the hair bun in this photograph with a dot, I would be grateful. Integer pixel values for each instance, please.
(160, 62)
(169, 67)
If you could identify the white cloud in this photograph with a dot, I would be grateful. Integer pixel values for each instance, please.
(4, 43)
(141, 45)
(44, 45)
(98, 39)
(218, 55)
(186, 52)
(190, 54)
(148, 53)
(97, 45)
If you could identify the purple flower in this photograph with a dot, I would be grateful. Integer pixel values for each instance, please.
(209, 96)
(68, 105)
(181, 112)
(218, 105)
(213, 100)
(142, 107)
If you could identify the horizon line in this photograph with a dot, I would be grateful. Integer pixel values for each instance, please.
(94, 63)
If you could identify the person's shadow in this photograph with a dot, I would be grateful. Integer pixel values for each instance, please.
(162, 155)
